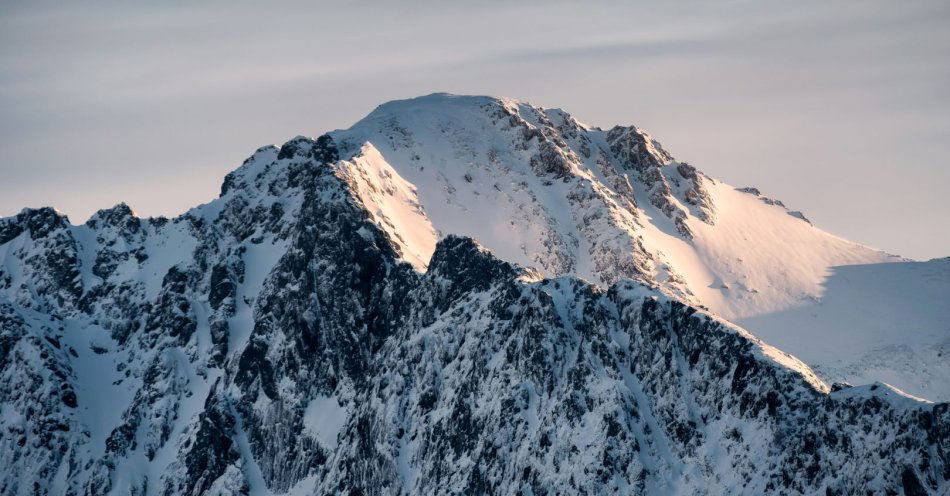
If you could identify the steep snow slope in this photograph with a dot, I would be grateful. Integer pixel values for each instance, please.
(393, 203)
(541, 189)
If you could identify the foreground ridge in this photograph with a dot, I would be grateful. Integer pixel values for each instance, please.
(287, 338)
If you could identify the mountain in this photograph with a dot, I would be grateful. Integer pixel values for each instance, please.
(541, 189)
(455, 295)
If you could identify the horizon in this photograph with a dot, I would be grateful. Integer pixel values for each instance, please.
(839, 112)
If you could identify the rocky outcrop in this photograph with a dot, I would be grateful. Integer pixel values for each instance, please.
(669, 185)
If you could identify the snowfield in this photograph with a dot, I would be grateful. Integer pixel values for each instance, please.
(887, 322)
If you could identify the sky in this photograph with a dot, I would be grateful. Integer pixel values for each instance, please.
(839, 109)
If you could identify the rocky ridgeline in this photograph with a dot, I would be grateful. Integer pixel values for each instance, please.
(272, 341)
(521, 157)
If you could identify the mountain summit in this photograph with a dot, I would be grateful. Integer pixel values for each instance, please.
(539, 188)
(457, 295)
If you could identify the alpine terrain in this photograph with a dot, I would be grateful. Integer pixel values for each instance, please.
(468, 295)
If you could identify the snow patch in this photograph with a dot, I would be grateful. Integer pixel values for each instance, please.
(323, 420)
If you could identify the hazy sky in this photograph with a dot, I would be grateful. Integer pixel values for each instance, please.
(840, 109)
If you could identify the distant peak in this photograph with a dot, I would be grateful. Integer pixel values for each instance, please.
(39, 222)
(120, 210)
(321, 150)
(120, 216)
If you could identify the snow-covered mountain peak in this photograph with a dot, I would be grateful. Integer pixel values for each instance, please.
(119, 215)
(403, 307)
(541, 189)
(37, 221)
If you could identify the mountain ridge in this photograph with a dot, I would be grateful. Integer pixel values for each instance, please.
(277, 341)
(427, 166)
(568, 198)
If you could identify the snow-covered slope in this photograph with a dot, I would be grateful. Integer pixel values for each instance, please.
(541, 189)
(273, 341)
(885, 322)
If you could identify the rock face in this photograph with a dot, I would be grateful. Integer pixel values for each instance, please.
(285, 338)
